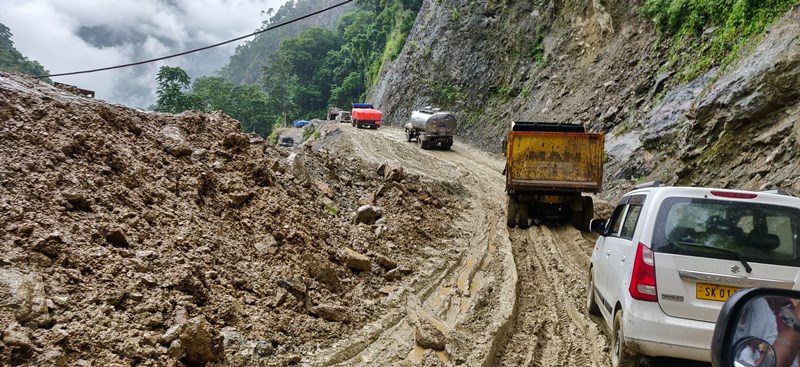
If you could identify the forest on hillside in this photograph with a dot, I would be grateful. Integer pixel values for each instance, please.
(12, 60)
(304, 75)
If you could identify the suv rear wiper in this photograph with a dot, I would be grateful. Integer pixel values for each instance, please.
(735, 254)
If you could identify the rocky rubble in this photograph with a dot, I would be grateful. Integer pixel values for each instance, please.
(138, 238)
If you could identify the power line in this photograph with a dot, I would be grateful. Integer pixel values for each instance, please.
(201, 48)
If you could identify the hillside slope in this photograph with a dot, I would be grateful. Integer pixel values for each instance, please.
(246, 64)
(606, 67)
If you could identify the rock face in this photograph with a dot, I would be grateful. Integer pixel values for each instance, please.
(476, 59)
(599, 68)
(746, 123)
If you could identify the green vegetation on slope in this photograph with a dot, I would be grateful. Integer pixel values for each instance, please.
(321, 68)
(246, 63)
(12, 60)
(711, 31)
(246, 102)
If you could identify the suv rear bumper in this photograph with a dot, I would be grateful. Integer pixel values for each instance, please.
(651, 332)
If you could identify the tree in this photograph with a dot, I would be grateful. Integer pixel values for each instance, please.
(291, 77)
(13, 61)
(281, 86)
(171, 83)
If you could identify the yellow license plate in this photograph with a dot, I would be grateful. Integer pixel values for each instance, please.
(714, 292)
(551, 199)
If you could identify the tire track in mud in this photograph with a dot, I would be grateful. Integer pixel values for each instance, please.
(546, 323)
(469, 297)
(552, 328)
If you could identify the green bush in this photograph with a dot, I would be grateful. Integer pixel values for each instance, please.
(454, 16)
(537, 50)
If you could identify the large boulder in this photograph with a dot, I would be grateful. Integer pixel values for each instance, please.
(173, 142)
(355, 260)
(297, 165)
(25, 295)
(196, 341)
(367, 214)
(428, 336)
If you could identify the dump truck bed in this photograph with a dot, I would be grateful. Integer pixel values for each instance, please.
(553, 157)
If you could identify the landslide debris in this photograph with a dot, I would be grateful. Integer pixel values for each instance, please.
(139, 238)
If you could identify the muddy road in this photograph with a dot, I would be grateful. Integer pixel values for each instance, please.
(506, 297)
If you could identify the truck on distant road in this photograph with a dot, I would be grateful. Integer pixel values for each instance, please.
(333, 112)
(548, 167)
(344, 116)
(431, 127)
(365, 115)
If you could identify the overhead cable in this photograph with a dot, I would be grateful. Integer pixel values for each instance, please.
(201, 48)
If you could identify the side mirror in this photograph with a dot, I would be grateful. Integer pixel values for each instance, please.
(598, 226)
(758, 327)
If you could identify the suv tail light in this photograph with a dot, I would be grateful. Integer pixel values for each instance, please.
(733, 195)
(643, 278)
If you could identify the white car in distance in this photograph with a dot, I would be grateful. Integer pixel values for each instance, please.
(669, 257)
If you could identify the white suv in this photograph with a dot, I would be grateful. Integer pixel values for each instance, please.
(669, 256)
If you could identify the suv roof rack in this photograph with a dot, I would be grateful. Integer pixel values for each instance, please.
(779, 192)
(649, 184)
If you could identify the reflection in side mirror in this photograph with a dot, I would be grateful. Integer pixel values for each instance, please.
(753, 352)
(598, 226)
(758, 327)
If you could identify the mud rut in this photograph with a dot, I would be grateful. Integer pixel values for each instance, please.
(503, 297)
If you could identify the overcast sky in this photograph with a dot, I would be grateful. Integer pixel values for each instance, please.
(74, 35)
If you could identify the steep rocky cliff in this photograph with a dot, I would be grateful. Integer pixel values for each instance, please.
(601, 64)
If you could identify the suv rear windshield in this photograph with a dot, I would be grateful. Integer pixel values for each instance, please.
(758, 232)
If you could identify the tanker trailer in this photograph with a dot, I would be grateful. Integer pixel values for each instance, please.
(432, 128)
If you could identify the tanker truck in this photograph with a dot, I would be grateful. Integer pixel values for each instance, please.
(432, 128)
(548, 167)
(365, 115)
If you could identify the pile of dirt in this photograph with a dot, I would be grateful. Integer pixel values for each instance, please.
(138, 238)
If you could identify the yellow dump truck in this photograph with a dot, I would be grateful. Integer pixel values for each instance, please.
(548, 167)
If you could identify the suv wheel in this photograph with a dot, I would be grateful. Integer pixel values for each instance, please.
(620, 355)
(591, 304)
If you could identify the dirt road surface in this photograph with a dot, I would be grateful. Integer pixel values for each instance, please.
(510, 297)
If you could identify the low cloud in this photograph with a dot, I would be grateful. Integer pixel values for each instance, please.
(66, 36)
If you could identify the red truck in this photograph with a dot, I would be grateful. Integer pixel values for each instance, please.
(365, 115)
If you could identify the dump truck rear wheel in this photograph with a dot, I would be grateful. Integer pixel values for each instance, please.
(580, 219)
(511, 212)
(588, 212)
(576, 217)
(446, 146)
(524, 218)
